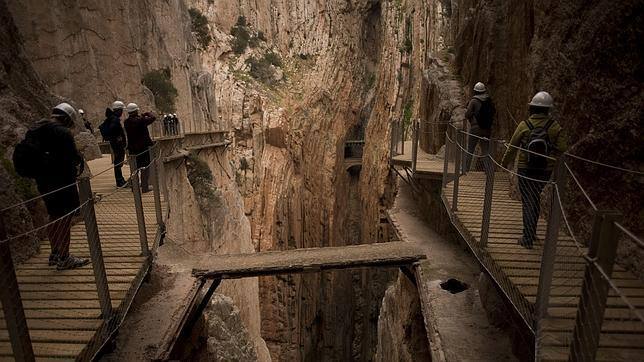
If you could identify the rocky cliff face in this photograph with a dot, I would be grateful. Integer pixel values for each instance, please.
(95, 52)
(583, 55)
(24, 98)
(349, 68)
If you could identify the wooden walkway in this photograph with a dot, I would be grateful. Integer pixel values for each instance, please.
(516, 269)
(62, 308)
(310, 260)
(427, 165)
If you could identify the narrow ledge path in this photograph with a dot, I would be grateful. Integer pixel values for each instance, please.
(459, 319)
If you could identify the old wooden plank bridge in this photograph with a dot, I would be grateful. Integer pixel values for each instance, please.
(404, 255)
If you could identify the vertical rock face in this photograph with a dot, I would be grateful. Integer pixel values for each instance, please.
(24, 98)
(401, 330)
(583, 55)
(95, 52)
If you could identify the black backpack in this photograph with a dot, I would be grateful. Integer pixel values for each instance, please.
(29, 157)
(485, 116)
(538, 142)
(104, 128)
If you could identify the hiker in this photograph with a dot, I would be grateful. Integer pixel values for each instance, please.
(139, 141)
(49, 155)
(539, 134)
(112, 131)
(175, 124)
(86, 123)
(480, 115)
(166, 124)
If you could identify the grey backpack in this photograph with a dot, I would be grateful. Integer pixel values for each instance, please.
(538, 143)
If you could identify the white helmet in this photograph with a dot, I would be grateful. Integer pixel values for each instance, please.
(479, 87)
(67, 109)
(542, 99)
(81, 111)
(131, 107)
(118, 105)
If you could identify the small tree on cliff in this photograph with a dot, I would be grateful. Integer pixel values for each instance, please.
(200, 27)
(241, 36)
(165, 94)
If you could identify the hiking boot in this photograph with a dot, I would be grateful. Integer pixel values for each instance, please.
(526, 244)
(53, 259)
(71, 262)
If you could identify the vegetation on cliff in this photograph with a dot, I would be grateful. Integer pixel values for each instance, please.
(199, 23)
(160, 84)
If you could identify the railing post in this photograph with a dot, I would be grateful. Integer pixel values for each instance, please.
(550, 245)
(594, 290)
(402, 136)
(414, 146)
(156, 185)
(457, 168)
(94, 243)
(14, 313)
(489, 192)
(138, 205)
(392, 143)
(446, 153)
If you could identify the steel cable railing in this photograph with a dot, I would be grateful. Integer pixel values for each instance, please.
(567, 282)
(87, 303)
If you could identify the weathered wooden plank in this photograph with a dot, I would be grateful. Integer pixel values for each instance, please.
(67, 295)
(54, 336)
(609, 326)
(311, 259)
(635, 341)
(38, 279)
(63, 304)
(54, 350)
(603, 354)
(60, 324)
(52, 272)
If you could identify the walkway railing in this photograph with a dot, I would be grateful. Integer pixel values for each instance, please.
(353, 149)
(568, 288)
(72, 313)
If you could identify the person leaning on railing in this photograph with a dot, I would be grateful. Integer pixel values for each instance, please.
(139, 141)
(49, 155)
(539, 134)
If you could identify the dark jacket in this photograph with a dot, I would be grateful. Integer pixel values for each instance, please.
(138, 136)
(474, 107)
(62, 167)
(115, 130)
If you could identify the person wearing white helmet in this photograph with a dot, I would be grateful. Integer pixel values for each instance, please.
(86, 123)
(539, 135)
(54, 162)
(139, 140)
(174, 124)
(112, 131)
(480, 115)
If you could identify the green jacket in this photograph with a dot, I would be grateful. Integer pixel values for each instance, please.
(521, 134)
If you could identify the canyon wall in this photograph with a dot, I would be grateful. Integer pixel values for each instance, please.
(583, 54)
(95, 52)
(349, 68)
(24, 98)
